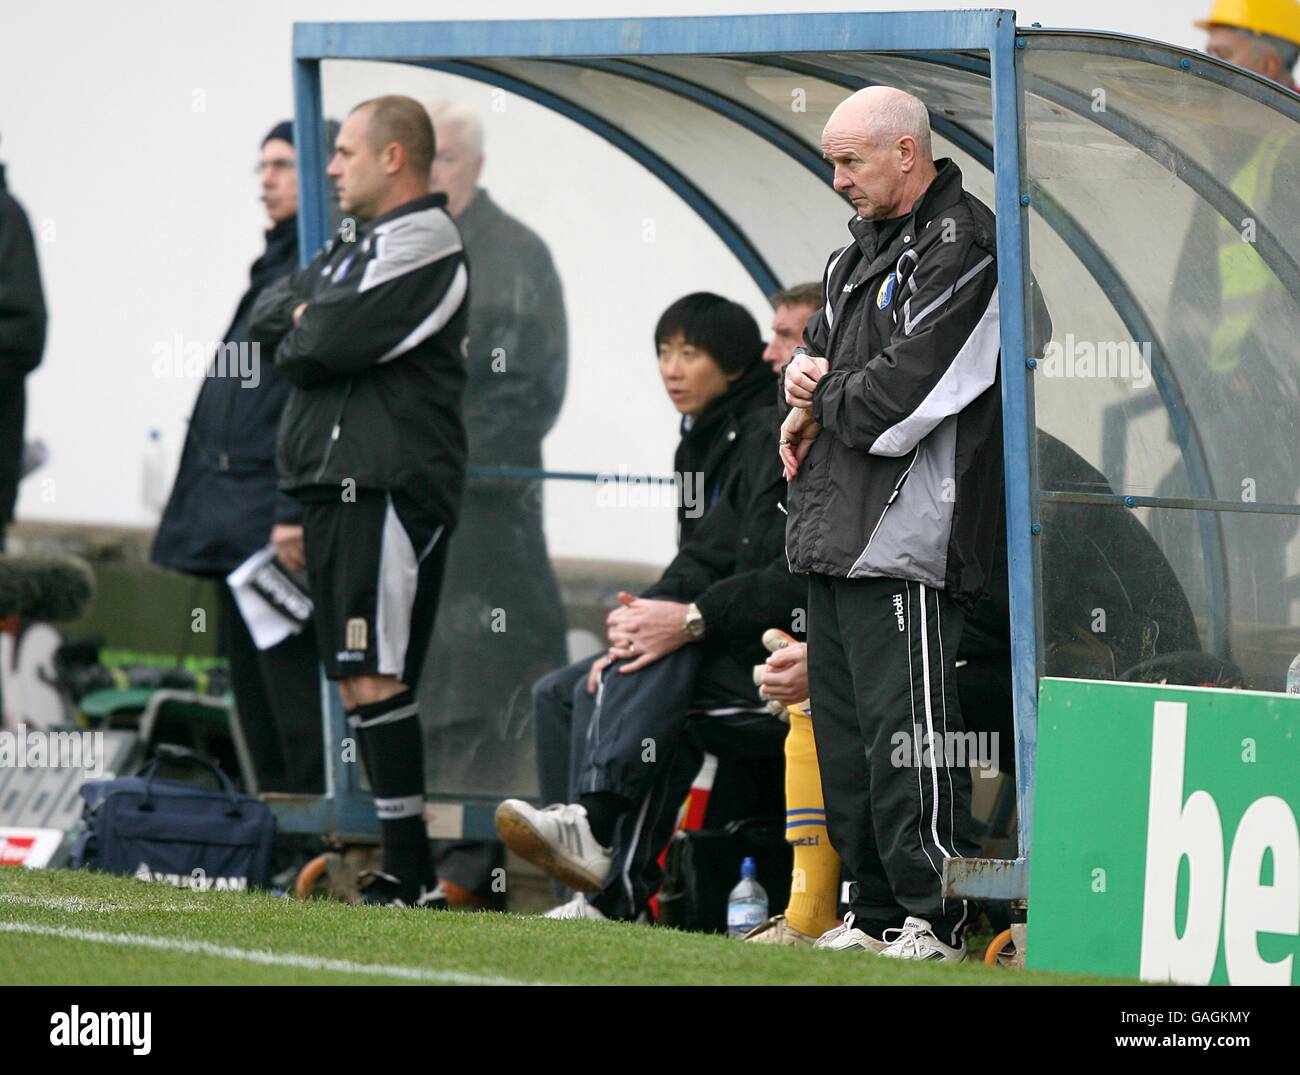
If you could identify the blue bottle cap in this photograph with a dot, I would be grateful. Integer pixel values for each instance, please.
(747, 868)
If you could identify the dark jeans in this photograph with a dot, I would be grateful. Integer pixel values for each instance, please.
(278, 695)
(646, 738)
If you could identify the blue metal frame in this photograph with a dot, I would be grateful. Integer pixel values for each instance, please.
(731, 234)
(1020, 444)
(613, 45)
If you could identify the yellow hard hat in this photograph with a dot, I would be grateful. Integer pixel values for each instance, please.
(1281, 18)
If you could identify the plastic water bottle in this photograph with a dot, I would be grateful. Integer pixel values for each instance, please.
(154, 477)
(747, 904)
(1293, 677)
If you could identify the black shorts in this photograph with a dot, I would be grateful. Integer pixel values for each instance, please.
(375, 565)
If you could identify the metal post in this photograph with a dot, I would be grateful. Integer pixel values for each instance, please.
(1019, 438)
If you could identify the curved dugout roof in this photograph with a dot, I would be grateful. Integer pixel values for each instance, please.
(1148, 192)
(1121, 145)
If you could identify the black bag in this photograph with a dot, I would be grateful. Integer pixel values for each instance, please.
(175, 833)
(703, 866)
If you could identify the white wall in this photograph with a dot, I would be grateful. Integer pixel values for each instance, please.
(147, 218)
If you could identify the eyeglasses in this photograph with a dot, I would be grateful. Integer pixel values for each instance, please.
(275, 164)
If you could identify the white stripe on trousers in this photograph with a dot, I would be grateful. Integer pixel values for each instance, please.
(952, 798)
(929, 722)
(911, 685)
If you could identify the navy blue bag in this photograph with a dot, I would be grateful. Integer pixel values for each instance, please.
(174, 833)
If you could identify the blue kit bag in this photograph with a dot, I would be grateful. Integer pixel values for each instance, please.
(175, 833)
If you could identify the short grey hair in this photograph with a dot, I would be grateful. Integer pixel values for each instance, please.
(901, 115)
(454, 114)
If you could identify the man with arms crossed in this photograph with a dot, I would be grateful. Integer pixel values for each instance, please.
(893, 451)
(370, 334)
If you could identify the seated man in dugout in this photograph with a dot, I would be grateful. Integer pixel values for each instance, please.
(615, 752)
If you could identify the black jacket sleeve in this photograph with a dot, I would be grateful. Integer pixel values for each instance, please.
(401, 296)
(734, 568)
(22, 301)
(271, 318)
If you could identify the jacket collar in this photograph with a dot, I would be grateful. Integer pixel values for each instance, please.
(739, 398)
(945, 190)
(415, 205)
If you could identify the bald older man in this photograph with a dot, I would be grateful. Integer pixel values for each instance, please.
(893, 453)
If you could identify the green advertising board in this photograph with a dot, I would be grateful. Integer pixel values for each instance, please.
(1165, 843)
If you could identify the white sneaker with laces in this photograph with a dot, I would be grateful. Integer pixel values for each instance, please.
(558, 840)
(848, 938)
(576, 908)
(916, 940)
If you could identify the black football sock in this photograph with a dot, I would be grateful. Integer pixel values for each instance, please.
(393, 750)
(603, 810)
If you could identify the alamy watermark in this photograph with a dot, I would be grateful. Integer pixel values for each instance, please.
(627, 490)
(1126, 360)
(179, 357)
(33, 749)
(953, 750)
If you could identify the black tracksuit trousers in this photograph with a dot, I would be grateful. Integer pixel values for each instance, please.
(881, 655)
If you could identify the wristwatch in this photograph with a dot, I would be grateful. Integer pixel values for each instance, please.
(694, 622)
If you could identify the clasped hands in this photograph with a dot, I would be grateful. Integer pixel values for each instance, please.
(800, 428)
(641, 630)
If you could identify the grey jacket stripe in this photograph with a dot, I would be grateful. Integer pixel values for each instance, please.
(910, 322)
(408, 243)
(863, 554)
(972, 371)
(438, 317)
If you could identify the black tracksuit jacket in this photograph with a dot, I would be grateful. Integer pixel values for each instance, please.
(905, 479)
(377, 360)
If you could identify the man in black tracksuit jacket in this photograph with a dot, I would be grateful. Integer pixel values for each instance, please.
(22, 339)
(894, 450)
(652, 723)
(371, 336)
(716, 445)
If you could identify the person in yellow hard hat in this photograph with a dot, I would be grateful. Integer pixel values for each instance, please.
(1260, 35)
(1232, 325)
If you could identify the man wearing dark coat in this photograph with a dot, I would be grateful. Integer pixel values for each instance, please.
(22, 340)
(225, 506)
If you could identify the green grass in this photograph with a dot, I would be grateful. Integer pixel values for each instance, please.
(47, 915)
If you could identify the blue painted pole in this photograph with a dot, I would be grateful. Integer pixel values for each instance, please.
(1019, 441)
(309, 143)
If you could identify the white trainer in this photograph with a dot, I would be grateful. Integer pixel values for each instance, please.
(777, 930)
(916, 940)
(558, 840)
(848, 938)
(576, 908)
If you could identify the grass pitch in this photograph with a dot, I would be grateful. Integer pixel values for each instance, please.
(60, 927)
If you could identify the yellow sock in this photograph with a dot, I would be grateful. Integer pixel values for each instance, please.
(816, 878)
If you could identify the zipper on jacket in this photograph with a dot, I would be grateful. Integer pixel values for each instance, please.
(334, 434)
(898, 487)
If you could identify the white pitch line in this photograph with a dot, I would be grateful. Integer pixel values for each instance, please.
(272, 959)
(81, 904)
